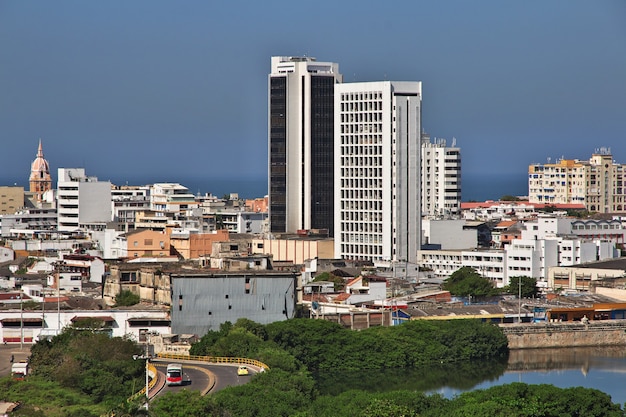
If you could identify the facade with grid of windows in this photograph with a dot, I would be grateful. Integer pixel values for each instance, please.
(377, 170)
(599, 184)
(300, 125)
(441, 177)
(81, 200)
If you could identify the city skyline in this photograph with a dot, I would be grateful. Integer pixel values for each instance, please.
(169, 92)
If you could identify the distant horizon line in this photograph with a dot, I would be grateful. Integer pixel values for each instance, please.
(252, 177)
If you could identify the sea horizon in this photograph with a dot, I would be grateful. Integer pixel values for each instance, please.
(474, 187)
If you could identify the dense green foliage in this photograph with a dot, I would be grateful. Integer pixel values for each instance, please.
(528, 287)
(276, 393)
(126, 298)
(324, 345)
(467, 282)
(85, 373)
(523, 400)
(81, 372)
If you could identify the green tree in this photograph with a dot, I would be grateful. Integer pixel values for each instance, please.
(238, 342)
(253, 327)
(126, 298)
(90, 362)
(528, 286)
(466, 281)
(322, 345)
(270, 394)
(508, 197)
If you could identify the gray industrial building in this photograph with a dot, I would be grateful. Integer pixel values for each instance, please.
(203, 301)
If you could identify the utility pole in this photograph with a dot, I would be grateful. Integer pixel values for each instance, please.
(21, 319)
(519, 300)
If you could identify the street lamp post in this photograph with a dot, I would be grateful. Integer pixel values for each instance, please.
(148, 334)
(147, 380)
(146, 356)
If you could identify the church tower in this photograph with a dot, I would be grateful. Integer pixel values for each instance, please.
(40, 180)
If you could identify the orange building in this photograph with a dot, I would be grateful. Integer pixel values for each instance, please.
(143, 243)
(196, 245)
(258, 205)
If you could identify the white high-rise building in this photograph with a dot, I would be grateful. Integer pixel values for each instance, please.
(377, 170)
(441, 178)
(300, 140)
(81, 200)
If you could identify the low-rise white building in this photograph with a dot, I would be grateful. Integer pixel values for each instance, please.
(449, 234)
(27, 326)
(545, 243)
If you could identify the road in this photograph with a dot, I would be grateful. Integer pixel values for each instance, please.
(6, 351)
(203, 377)
(199, 376)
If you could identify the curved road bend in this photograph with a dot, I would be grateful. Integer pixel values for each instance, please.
(199, 376)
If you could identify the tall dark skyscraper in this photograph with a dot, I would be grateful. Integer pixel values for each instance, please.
(301, 143)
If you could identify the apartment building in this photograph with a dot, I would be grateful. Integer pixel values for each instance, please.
(440, 177)
(147, 243)
(377, 170)
(300, 140)
(127, 201)
(189, 245)
(543, 243)
(491, 264)
(295, 249)
(599, 183)
(81, 199)
(171, 198)
(11, 199)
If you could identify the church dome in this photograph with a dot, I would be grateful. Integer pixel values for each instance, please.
(40, 164)
(40, 169)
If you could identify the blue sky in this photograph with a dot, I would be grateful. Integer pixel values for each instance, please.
(169, 90)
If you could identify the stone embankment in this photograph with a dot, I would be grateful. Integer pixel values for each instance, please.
(567, 334)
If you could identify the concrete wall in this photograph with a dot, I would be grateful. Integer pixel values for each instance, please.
(450, 234)
(602, 333)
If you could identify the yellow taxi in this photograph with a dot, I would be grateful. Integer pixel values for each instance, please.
(242, 370)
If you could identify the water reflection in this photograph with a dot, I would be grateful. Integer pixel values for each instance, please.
(599, 368)
(461, 376)
(564, 358)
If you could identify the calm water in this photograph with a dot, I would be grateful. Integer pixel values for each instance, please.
(599, 368)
